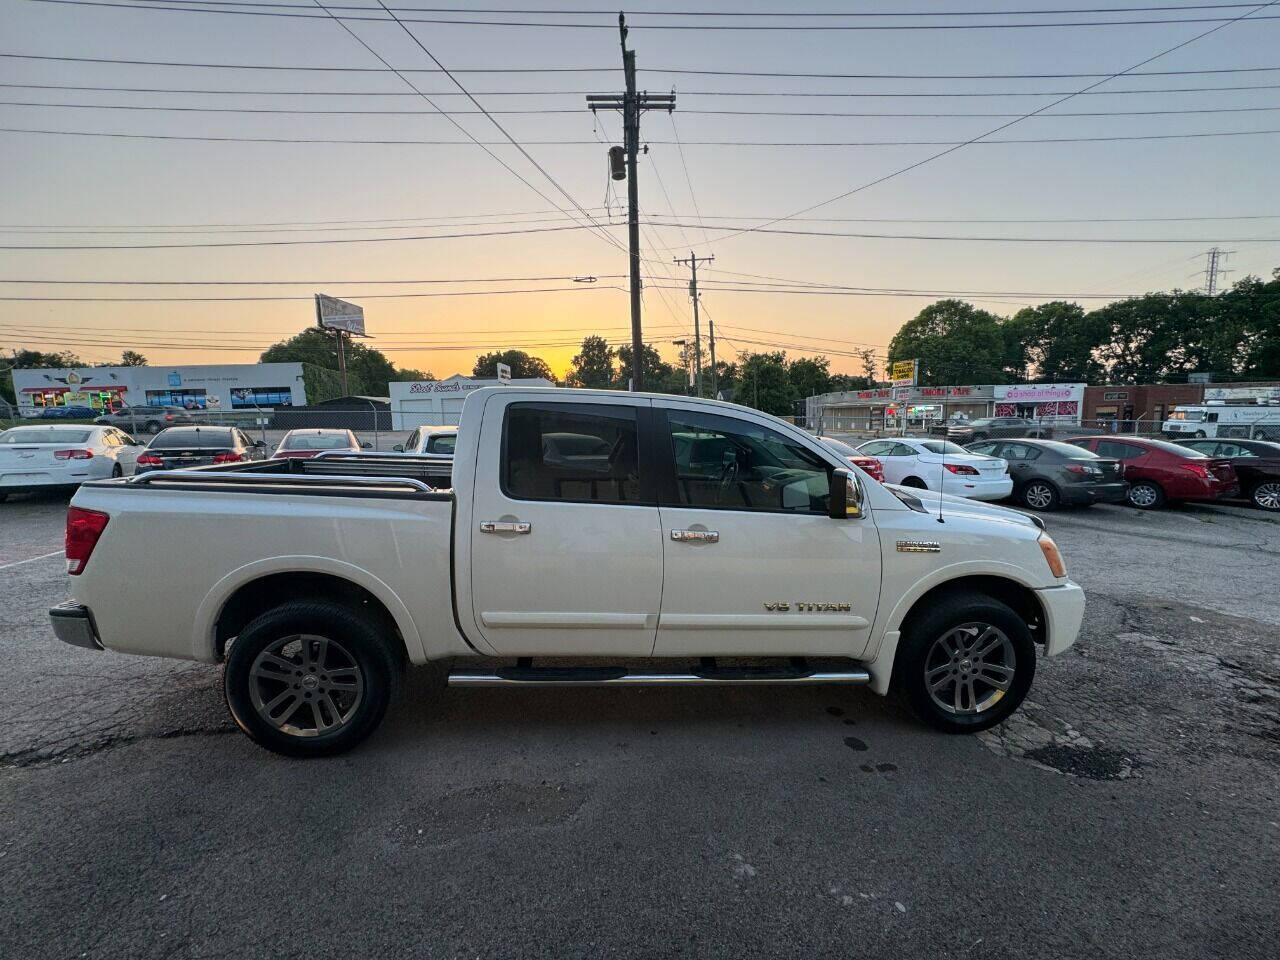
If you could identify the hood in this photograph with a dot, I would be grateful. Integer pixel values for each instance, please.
(962, 506)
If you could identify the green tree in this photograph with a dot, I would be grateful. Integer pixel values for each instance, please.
(131, 358)
(956, 343)
(593, 366)
(659, 376)
(522, 365)
(1060, 340)
(810, 376)
(409, 374)
(368, 370)
(764, 383)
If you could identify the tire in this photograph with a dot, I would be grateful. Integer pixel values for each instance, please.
(1146, 495)
(152, 426)
(3, 497)
(1040, 495)
(117, 472)
(1266, 495)
(1199, 434)
(965, 699)
(354, 671)
(915, 483)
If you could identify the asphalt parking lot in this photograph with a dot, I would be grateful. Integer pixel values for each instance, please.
(1130, 809)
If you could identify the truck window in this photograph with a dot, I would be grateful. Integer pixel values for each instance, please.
(565, 452)
(727, 464)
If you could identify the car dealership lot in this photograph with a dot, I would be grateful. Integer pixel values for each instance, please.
(1129, 809)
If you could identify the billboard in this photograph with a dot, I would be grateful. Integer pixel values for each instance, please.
(902, 373)
(335, 314)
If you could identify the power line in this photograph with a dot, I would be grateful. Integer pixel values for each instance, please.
(1005, 126)
(358, 296)
(955, 144)
(309, 283)
(684, 27)
(663, 70)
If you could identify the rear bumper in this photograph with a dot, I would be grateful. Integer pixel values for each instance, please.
(1095, 493)
(1064, 612)
(978, 488)
(73, 624)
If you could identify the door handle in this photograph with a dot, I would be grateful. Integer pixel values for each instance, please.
(695, 536)
(503, 526)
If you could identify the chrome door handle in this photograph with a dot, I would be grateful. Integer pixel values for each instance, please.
(695, 536)
(503, 526)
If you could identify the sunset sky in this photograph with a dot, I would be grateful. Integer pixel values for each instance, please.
(79, 190)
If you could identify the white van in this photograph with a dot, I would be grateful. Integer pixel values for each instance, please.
(1249, 421)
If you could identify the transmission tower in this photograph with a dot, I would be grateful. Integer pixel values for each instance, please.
(1215, 269)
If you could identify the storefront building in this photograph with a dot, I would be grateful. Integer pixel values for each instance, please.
(886, 408)
(419, 403)
(243, 386)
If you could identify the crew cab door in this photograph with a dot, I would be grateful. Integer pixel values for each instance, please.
(752, 563)
(566, 556)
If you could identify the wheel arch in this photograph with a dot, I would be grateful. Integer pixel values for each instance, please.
(257, 587)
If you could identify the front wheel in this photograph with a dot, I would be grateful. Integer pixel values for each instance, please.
(309, 678)
(1145, 495)
(1039, 495)
(966, 664)
(1266, 495)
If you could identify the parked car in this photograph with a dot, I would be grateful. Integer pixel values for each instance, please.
(1047, 473)
(53, 457)
(772, 550)
(144, 418)
(942, 466)
(968, 431)
(177, 448)
(309, 443)
(66, 413)
(1158, 471)
(430, 439)
(1256, 463)
(873, 467)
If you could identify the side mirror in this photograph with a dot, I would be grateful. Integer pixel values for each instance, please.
(843, 502)
(398, 448)
(366, 445)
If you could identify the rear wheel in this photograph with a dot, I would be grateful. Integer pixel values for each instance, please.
(1040, 495)
(117, 472)
(309, 678)
(915, 483)
(1145, 495)
(1266, 495)
(966, 664)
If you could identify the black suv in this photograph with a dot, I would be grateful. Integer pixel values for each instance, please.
(145, 418)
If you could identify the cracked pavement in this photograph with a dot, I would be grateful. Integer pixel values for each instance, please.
(1130, 809)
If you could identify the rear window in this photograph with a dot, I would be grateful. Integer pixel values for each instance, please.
(193, 437)
(842, 448)
(317, 441)
(942, 446)
(1068, 450)
(444, 443)
(44, 435)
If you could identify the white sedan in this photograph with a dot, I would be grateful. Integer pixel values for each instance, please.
(62, 457)
(941, 465)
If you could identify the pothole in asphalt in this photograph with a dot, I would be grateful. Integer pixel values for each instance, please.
(492, 807)
(1035, 736)
(1092, 763)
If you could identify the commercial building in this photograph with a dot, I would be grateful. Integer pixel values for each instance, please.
(237, 386)
(1133, 406)
(418, 403)
(883, 407)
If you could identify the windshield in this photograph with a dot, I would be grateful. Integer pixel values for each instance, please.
(44, 435)
(442, 444)
(1195, 415)
(316, 441)
(943, 446)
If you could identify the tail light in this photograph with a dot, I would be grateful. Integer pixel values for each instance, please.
(1199, 469)
(149, 460)
(84, 527)
(962, 469)
(227, 458)
(1083, 470)
(168, 418)
(73, 454)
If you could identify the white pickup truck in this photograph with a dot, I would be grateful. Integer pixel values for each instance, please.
(620, 539)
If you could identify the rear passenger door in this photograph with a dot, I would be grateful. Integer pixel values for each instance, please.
(566, 557)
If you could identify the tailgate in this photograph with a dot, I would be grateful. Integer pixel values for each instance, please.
(177, 458)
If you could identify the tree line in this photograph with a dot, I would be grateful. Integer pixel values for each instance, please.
(1155, 338)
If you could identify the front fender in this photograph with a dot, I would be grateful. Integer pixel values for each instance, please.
(204, 628)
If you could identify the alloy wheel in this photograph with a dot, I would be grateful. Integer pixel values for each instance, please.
(1038, 496)
(1267, 495)
(1142, 495)
(306, 685)
(970, 668)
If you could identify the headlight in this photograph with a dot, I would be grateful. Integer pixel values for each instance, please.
(1052, 555)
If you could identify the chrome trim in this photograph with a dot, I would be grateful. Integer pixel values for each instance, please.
(287, 479)
(695, 536)
(469, 678)
(72, 624)
(503, 526)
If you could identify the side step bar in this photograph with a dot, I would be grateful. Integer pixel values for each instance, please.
(617, 677)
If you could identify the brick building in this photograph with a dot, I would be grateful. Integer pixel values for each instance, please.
(1146, 403)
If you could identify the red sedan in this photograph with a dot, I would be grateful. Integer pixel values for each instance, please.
(873, 467)
(1158, 471)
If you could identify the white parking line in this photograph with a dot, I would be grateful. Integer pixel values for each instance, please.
(43, 556)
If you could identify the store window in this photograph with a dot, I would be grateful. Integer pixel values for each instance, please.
(188, 399)
(249, 397)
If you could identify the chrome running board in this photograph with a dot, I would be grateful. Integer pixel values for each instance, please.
(616, 677)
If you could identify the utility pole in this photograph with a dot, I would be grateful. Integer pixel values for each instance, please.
(632, 104)
(1214, 269)
(693, 261)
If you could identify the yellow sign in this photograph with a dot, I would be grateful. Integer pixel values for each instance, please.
(903, 372)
